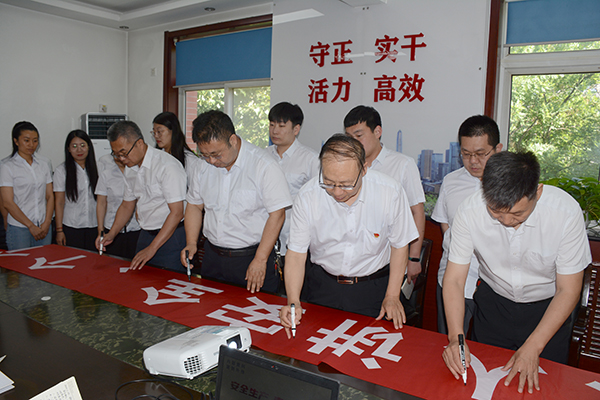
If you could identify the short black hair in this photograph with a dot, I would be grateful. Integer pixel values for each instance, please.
(212, 125)
(479, 125)
(284, 112)
(366, 114)
(342, 146)
(126, 129)
(508, 177)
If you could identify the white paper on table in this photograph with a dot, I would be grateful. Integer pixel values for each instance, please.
(66, 390)
(5, 383)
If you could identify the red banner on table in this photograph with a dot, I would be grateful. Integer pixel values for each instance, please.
(408, 360)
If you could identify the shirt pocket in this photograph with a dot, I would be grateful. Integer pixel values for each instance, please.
(244, 201)
(543, 265)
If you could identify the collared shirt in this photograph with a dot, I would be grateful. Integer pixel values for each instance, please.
(191, 159)
(111, 183)
(404, 170)
(521, 264)
(299, 164)
(80, 213)
(456, 187)
(352, 240)
(29, 186)
(238, 202)
(159, 181)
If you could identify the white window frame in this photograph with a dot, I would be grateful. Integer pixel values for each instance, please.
(228, 98)
(583, 61)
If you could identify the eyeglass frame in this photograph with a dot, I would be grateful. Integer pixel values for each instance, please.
(123, 156)
(332, 187)
(477, 156)
(83, 145)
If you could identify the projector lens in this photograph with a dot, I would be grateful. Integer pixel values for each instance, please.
(235, 342)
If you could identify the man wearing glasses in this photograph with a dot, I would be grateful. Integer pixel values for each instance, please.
(357, 224)
(243, 192)
(155, 183)
(479, 138)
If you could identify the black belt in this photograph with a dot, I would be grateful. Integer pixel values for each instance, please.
(351, 280)
(225, 252)
(155, 231)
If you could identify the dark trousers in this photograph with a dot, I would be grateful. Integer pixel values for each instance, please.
(441, 313)
(168, 255)
(124, 245)
(504, 323)
(362, 297)
(82, 238)
(233, 269)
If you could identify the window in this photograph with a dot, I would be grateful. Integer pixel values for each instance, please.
(548, 100)
(247, 103)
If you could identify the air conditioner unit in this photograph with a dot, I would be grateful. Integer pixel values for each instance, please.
(96, 125)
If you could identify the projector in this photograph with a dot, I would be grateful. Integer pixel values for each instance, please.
(194, 352)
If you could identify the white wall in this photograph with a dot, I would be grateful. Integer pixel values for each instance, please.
(53, 71)
(453, 65)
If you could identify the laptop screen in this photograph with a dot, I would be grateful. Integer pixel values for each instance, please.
(246, 376)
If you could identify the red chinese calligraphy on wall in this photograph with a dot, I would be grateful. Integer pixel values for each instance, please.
(386, 85)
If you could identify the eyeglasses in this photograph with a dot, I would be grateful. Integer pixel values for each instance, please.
(157, 133)
(122, 156)
(82, 146)
(331, 187)
(214, 156)
(465, 155)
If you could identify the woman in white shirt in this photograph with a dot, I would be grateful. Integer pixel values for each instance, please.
(75, 202)
(169, 136)
(26, 188)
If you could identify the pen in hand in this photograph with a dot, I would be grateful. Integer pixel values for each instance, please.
(187, 263)
(293, 306)
(461, 346)
(101, 245)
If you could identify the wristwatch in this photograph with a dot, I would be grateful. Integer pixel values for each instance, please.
(414, 259)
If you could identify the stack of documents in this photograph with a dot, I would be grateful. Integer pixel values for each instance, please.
(5, 382)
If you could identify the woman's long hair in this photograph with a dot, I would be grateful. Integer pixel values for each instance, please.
(178, 144)
(70, 165)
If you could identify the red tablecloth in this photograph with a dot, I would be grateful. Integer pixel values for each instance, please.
(408, 360)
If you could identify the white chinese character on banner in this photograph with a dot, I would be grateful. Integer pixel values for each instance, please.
(181, 292)
(487, 380)
(260, 311)
(40, 263)
(332, 336)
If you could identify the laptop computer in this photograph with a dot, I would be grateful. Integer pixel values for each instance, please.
(242, 375)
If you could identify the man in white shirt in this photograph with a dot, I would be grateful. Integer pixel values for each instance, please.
(156, 184)
(357, 224)
(532, 247)
(244, 195)
(479, 139)
(299, 162)
(109, 193)
(364, 124)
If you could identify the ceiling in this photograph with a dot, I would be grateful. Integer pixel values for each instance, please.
(132, 14)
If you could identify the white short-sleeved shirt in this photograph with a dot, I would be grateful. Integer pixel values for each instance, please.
(299, 164)
(521, 264)
(80, 213)
(29, 186)
(456, 187)
(238, 202)
(191, 159)
(159, 181)
(352, 240)
(111, 183)
(404, 170)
